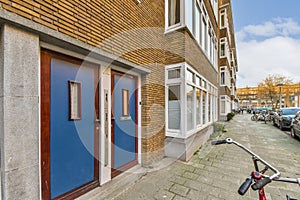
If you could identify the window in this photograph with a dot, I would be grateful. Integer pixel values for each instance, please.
(190, 107)
(222, 20)
(209, 45)
(198, 81)
(174, 113)
(222, 48)
(174, 12)
(223, 106)
(204, 34)
(198, 106)
(204, 107)
(75, 100)
(174, 73)
(197, 22)
(125, 102)
(189, 101)
(222, 77)
(209, 107)
(190, 76)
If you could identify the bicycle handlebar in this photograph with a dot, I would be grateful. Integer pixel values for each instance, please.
(245, 186)
(275, 176)
(230, 141)
(265, 179)
(217, 142)
(261, 183)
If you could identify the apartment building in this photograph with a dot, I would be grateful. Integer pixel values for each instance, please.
(228, 66)
(262, 96)
(89, 89)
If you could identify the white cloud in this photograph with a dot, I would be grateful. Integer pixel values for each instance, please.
(277, 53)
(276, 27)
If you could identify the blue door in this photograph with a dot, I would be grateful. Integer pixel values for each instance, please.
(73, 126)
(124, 122)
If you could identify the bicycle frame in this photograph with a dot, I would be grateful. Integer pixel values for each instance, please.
(260, 180)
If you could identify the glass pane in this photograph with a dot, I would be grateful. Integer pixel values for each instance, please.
(204, 107)
(174, 12)
(190, 76)
(203, 84)
(190, 107)
(222, 106)
(174, 113)
(173, 73)
(125, 102)
(74, 100)
(198, 106)
(209, 107)
(222, 20)
(198, 81)
(222, 49)
(197, 23)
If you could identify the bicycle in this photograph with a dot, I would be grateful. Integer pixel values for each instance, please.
(258, 177)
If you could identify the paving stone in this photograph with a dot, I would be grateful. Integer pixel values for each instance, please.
(216, 172)
(178, 179)
(195, 185)
(190, 175)
(199, 195)
(179, 190)
(164, 195)
(180, 198)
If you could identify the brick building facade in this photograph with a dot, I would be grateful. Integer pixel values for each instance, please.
(263, 96)
(140, 77)
(228, 66)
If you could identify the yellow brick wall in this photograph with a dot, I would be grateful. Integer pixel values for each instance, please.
(132, 31)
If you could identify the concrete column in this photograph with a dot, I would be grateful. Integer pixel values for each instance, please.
(19, 113)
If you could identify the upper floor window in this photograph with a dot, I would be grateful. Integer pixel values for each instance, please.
(214, 4)
(174, 12)
(222, 74)
(223, 18)
(222, 48)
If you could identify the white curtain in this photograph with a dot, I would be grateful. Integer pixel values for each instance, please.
(172, 12)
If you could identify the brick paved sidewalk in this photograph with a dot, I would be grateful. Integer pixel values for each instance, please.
(216, 172)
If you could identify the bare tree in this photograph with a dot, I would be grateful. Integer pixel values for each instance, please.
(268, 88)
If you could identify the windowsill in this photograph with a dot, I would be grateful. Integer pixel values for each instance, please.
(178, 134)
(174, 28)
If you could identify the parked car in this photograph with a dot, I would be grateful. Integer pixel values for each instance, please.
(258, 110)
(283, 117)
(295, 127)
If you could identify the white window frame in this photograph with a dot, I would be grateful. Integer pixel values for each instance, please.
(181, 24)
(183, 81)
(226, 99)
(222, 42)
(223, 14)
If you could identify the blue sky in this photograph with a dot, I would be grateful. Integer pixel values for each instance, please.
(268, 39)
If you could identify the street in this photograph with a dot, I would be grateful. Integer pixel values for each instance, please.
(216, 172)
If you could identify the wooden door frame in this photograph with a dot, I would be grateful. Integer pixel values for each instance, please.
(46, 56)
(116, 172)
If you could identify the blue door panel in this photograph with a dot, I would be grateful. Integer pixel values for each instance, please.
(124, 128)
(71, 142)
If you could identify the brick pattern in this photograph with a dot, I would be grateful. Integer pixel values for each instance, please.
(132, 31)
(93, 22)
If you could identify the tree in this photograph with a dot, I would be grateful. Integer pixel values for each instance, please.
(268, 88)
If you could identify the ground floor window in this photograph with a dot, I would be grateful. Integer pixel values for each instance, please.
(190, 101)
(225, 104)
(174, 113)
